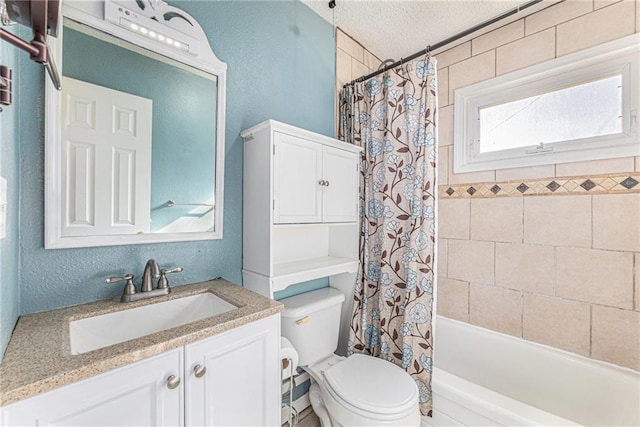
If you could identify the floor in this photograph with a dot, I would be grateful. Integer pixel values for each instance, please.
(306, 418)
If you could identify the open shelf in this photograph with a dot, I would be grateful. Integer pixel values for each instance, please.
(288, 273)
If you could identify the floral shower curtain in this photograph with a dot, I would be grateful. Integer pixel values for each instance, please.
(393, 118)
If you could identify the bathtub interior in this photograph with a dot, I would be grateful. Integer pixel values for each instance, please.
(564, 384)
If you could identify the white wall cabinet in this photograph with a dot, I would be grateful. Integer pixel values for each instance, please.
(241, 386)
(313, 182)
(300, 210)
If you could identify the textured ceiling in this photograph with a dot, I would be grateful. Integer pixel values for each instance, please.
(398, 28)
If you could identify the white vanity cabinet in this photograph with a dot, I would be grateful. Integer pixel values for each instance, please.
(135, 394)
(239, 386)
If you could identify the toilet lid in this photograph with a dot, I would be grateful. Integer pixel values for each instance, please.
(373, 385)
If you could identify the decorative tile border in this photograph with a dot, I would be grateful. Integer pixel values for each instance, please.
(595, 184)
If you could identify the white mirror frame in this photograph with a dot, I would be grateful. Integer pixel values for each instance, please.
(91, 13)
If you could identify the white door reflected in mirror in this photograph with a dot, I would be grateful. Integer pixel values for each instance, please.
(106, 134)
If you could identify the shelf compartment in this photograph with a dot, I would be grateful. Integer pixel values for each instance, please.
(301, 271)
(290, 273)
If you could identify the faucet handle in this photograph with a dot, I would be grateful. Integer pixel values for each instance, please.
(129, 287)
(162, 281)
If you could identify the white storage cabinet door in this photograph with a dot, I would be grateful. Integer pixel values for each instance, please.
(296, 180)
(340, 171)
(133, 395)
(241, 385)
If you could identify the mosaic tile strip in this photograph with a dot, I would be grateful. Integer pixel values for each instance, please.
(595, 184)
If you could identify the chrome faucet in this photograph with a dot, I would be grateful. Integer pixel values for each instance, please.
(151, 271)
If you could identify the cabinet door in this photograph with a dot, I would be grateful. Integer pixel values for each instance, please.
(340, 170)
(134, 395)
(297, 172)
(241, 385)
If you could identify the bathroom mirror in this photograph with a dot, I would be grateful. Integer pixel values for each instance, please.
(135, 139)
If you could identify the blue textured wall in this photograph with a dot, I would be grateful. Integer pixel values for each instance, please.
(9, 162)
(280, 58)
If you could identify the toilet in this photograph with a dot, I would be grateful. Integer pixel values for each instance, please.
(358, 390)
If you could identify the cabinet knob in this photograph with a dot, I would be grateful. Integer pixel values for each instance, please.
(199, 371)
(321, 182)
(172, 382)
(326, 183)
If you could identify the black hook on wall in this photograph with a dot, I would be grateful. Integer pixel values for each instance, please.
(5, 85)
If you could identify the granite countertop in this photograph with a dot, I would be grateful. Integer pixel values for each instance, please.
(38, 357)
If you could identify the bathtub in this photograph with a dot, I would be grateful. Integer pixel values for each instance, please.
(483, 377)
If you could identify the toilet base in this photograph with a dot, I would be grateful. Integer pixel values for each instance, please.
(332, 414)
(315, 396)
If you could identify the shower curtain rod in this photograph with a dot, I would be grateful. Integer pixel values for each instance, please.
(447, 41)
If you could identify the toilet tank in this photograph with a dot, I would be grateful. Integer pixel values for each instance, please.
(311, 321)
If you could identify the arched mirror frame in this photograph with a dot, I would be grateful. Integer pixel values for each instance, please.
(92, 13)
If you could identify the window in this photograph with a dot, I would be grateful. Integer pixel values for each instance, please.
(583, 106)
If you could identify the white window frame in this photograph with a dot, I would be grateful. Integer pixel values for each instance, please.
(620, 56)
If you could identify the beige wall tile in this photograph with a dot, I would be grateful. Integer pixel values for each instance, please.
(595, 167)
(358, 69)
(453, 299)
(637, 281)
(497, 219)
(371, 61)
(601, 26)
(445, 126)
(637, 16)
(638, 157)
(531, 172)
(616, 336)
(343, 67)
(442, 257)
(556, 14)
(349, 45)
(472, 70)
(531, 268)
(558, 220)
(499, 37)
(496, 309)
(470, 261)
(600, 277)
(443, 166)
(453, 218)
(525, 52)
(453, 55)
(443, 87)
(598, 4)
(616, 222)
(556, 322)
(470, 177)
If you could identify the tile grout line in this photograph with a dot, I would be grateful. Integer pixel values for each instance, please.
(590, 330)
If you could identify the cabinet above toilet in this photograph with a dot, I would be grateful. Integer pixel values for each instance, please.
(300, 207)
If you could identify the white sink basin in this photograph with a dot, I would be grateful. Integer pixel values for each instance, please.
(102, 331)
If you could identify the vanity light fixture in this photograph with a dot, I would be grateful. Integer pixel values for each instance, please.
(154, 34)
(150, 28)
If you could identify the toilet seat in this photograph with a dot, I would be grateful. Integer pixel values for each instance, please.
(371, 387)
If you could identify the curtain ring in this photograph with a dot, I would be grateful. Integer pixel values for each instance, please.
(427, 56)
